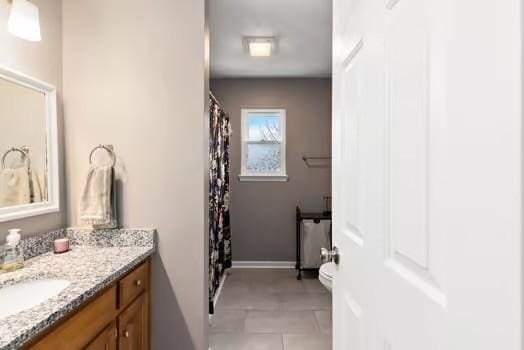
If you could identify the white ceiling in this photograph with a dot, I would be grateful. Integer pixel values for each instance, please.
(302, 28)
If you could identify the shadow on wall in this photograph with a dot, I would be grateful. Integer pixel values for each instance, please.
(166, 308)
(120, 200)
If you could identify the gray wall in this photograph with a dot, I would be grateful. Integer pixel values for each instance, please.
(42, 60)
(263, 213)
(135, 77)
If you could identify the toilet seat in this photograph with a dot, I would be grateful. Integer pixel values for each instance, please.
(326, 273)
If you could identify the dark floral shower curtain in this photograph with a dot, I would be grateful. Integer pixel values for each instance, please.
(219, 228)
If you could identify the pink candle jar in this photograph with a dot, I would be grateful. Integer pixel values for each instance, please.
(61, 245)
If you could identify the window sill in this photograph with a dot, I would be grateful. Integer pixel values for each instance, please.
(263, 178)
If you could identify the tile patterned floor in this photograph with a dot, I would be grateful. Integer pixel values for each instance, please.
(264, 309)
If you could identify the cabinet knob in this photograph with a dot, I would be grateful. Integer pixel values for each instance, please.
(126, 334)
(138, 283)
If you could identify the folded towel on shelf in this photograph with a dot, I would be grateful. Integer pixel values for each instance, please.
(98, 201)
(14, 187)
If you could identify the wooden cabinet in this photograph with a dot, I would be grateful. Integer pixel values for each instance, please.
(133, 324)
(106, 340)
(79, 329)
(118, 317)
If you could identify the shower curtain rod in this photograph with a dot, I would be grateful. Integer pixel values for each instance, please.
(216, 99)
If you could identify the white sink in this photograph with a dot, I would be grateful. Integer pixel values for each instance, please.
(25, 295)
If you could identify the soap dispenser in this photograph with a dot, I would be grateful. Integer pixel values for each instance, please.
(13, 254)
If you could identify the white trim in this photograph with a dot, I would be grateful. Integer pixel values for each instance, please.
(254, 176)
(263, 178)
(263, 264)
(53, 198)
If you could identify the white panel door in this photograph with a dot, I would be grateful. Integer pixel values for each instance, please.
(427, 104)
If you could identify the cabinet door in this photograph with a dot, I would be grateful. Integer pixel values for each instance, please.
(106, 340)
(133, 325)
(81, 328)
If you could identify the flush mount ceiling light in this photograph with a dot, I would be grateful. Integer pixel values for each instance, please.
(24, 21)
(260, 47)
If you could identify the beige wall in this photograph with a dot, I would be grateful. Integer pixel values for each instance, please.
(134, 77)
(42, 60)
(263, 213)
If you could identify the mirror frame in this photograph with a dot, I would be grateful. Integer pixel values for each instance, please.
(53, 198)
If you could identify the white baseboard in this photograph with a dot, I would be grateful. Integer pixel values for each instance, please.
(263, 264)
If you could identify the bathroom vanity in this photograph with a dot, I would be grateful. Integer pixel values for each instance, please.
(103, 297)
(119, 315)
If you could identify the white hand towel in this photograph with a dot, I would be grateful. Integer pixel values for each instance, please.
(39, 190)
(96, 204)
(14, 187)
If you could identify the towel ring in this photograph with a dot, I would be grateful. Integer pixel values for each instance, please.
(108, 148)
(23, 150)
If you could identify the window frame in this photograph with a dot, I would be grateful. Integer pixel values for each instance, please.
(246, 175)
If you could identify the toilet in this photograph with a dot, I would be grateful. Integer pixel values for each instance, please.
(326, 274)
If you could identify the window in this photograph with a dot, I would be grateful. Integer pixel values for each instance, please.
(263, 145)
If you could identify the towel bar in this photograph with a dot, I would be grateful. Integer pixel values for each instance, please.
(317, 162)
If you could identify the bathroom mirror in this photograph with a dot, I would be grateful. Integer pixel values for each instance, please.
(28, 146)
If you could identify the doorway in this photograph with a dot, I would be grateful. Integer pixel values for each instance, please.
(271, 77)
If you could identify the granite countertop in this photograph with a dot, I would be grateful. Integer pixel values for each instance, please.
(95, 261)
